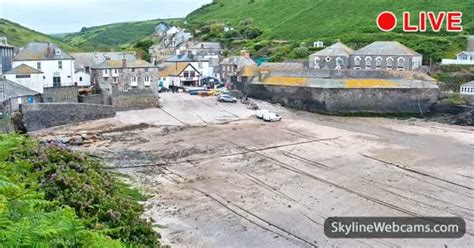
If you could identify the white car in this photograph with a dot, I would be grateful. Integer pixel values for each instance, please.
(271, 117)
(261, 112)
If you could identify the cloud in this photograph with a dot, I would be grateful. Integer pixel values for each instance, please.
(59, 16)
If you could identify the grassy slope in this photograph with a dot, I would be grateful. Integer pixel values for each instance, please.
(351, 21)
(114, 35)
(18, 35)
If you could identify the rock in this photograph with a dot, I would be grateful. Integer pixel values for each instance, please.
(65, 140)
(76, 141)
(465, 118)
(18, 123)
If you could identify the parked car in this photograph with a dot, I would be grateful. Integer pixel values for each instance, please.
(271, 117)
(260, 113)
(226, 98)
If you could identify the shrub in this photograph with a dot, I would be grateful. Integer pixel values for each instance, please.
(59, 198)
(454, 99)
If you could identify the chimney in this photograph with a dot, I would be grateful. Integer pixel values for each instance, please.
(48, 50)
(245, 53)
(190, 54)
(124, 63)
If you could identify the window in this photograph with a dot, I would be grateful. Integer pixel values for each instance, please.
(106, 72)
(115, 80)
(186, 74)
(56, 81)
(328, 59)
(133, 69)
(357, 61)
(368, 62)
(80, 79)
(60, 65)
(339, 63)
(23, 76)
(401, 63)
(146, 69)
(378, 62)
(44, 77)
(115, 71)
(192, 74)
(147, 81)
(87, 68)
(389, 63)
(316, 63)
(38, 65)
(134, 82)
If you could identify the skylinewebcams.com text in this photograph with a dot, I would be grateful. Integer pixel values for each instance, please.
(392, 227)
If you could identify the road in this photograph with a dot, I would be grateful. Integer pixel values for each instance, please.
(218, 177)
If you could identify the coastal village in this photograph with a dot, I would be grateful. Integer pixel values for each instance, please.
(220, 133)
(42, 72)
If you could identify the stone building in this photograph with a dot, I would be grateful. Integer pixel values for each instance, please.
(6, 55)
(233, 67)
(124, 75)
(385, 55)
(127, 84)
(85, 61)
(332, 57)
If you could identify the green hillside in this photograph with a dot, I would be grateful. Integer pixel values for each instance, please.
(352, 21)
(111, 36)
(18, 35)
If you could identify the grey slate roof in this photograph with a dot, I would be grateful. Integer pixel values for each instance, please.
(207, 45)
(162, 27)
(41, 51)
(337, 49)
(387, 48)
(118, 63)
(467, 53)
(23, 70)
(93, 59)
(468, 84)
(13, 89)
(182, 58)
(240, 61)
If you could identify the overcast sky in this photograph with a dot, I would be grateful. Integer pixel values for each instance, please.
(62, 16)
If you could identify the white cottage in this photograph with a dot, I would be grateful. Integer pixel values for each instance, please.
(57, 66)
(27, 76)
(467, 88)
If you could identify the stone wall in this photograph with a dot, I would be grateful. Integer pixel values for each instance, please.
(60, 94)
(44, 115)
(92, 99)
(133, 99)
(347, 100)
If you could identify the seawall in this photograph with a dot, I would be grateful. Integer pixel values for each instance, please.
(44, 115)
(346, 100)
